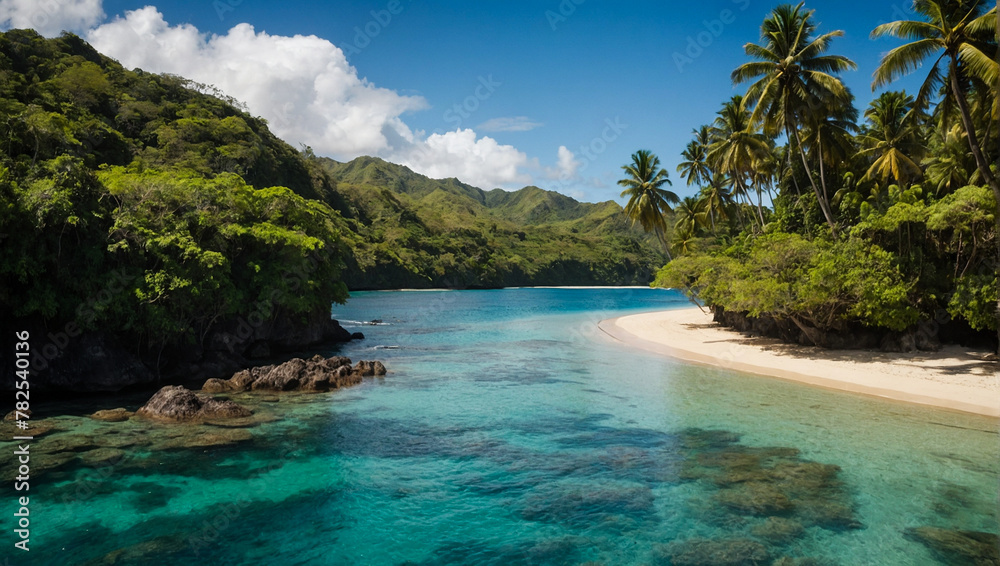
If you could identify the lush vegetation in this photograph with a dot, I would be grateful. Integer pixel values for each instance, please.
(419, 232)
(884, 218)
(153, 208)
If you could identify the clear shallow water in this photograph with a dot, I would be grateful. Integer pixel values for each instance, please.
(511, 431)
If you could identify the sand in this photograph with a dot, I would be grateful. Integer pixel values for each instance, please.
(955, 378)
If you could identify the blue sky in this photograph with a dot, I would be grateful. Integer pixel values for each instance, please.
(599, 79)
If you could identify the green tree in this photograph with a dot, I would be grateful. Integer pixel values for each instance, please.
(648, 201)
(792, 79)
(892, 139)
(959, 34)
(737, 149)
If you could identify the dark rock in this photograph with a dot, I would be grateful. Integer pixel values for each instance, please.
(315, 374)
(90, 362)
(175, 403)
(369, 368)
(218, 386)
(259, 349)
(112, 415)
(357, 336)
(958, 547)
(726, 552)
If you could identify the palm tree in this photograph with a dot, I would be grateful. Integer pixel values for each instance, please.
(892, 138)
(686, 243)
(715, 199)
(956, 31)
(694, 168)
(690, 216)
(737, 148)
(647, 199)
(949, 166)
(792, 79)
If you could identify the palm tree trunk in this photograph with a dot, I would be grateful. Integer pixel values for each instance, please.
(822, 174)
(760, 203)
(823, 205)
(663, 241)
(970, 131)
(981, 163)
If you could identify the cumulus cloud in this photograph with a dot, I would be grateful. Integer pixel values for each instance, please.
(513, 124)
(310, 94)
(302, 85)
(51, 17)
(567, 166)
(481, 162)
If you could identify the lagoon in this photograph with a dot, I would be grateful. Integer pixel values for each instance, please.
(510, 430)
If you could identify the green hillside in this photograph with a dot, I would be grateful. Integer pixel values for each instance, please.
(203, 216)
(419, 232)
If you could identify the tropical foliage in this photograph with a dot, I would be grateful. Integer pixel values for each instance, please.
(884, 219)
(138, 205)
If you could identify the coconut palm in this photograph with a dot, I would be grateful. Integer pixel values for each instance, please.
(686, 243)
(950, 167)
(793, 78)
(892, 138)
(716, 199)
(737, 148)
(696, 168)
(690, 216)
(963, 39)
(831, 137)
(648, 201)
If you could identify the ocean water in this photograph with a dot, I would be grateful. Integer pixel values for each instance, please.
(509, 431)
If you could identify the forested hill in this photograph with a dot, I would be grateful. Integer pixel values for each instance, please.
(155, 208)
(416, 232)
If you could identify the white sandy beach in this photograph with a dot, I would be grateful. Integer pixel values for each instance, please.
(954, 377)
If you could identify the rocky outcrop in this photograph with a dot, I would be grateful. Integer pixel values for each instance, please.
(177, 404)
(69, 360)
(315, 374)
(112, 415)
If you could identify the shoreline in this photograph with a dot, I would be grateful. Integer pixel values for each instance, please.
(953, 378)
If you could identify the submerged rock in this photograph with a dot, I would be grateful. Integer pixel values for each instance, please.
(959, 547)
(778, 530)
(112, 415)
(767, 482)
(177, 404)
(315, 374)
(755, 498)
(726, 552)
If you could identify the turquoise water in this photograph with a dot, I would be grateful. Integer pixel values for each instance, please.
(511, 431)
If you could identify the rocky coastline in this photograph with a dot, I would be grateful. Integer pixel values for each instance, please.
(71, 362)
(222, 412)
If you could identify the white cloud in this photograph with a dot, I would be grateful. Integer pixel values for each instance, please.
(302, 85)
(481, 162)
(51, 17)
(309, 94)
(514, 124)
(566, 168)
